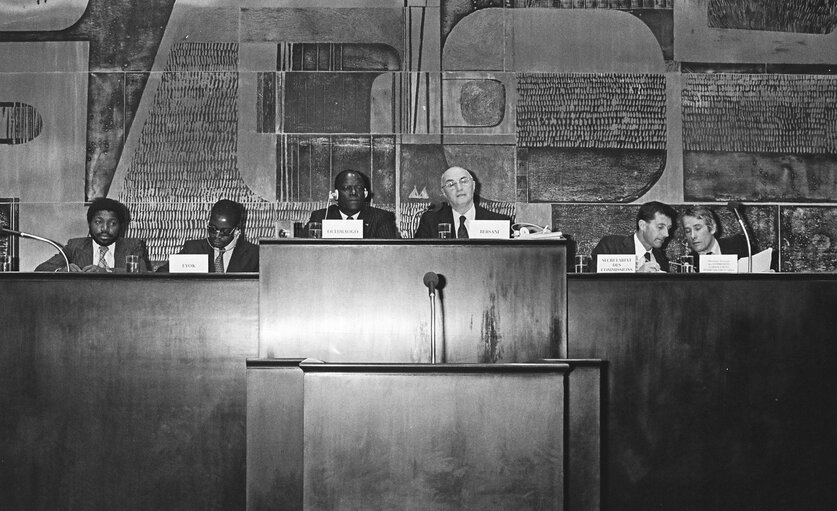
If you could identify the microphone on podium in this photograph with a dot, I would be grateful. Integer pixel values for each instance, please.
(431, 280)
(9, 232)
(735, 206)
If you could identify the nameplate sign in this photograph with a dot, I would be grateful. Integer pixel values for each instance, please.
(342, 229)
(726, 263)
(188, 263)
(615, 263)
(489, 229)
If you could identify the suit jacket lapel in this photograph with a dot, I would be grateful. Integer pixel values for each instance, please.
(85, 258)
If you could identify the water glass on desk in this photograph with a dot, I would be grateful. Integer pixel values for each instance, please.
(581, 263)
(5, 262)
(687, 264)
(315, 230)
(132, 263)
(445, 231)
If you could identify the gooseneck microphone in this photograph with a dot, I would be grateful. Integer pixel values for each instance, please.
(431, 280)
(735, 206)
(19, 234)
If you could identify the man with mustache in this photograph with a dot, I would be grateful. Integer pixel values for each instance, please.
(104, 249)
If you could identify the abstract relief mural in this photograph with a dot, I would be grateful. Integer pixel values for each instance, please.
(563, 109)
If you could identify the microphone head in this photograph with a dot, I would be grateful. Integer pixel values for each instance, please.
(431, 278)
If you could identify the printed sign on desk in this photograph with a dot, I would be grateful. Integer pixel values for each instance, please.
(726, 263)
(489, 229)
(188, 263)
(616, 263)
(342, 229)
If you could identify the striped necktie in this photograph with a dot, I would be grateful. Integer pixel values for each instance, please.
(103, 262)
(219, 261)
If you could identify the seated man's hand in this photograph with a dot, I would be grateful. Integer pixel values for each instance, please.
(73, 268)
(649, 267)
(92, 268)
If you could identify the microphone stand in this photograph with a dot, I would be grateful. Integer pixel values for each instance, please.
(433, 327)
(734, 206)
(5, 231)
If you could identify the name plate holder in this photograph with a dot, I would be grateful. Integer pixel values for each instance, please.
(188, 263)
(489, 229)
(342, 229)
(615, 263)
(722, 263)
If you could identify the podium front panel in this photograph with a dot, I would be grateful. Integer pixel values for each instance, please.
(365, 301)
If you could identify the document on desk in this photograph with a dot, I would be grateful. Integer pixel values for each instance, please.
(761, 262)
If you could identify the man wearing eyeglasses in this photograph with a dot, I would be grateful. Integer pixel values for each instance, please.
(458, 187)
(351, 193)
(227, 250)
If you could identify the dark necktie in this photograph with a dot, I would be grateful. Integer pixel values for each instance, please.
(462, 232)
(349, 217)
(709, 253)
(219, 261)
(648, 256)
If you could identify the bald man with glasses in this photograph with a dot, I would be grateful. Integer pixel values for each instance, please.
(226, 249)
(458, 187)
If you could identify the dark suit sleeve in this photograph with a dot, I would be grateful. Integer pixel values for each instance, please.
(426, 228)
(600, 248)
(55, 262)
(386, 228)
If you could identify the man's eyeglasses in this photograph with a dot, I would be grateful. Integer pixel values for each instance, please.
(212, 230)
(463, 182)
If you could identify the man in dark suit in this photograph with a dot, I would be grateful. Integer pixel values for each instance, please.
(458, 187)
(351, 192)
(224, 246)
(654, 221)
(104, 250)
(699, 226)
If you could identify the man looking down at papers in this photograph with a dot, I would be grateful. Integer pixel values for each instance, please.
(227, 250)
(654, 222)
(458, 187)
(351, 192)
(700, 227)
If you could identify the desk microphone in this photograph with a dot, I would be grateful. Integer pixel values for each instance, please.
(431, 280)
(19, 234)
(735, 206)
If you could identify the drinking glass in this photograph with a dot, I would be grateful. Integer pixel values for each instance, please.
(445, 231)
(5, 262)
(132, 263)
(581, 263)
(315, 230)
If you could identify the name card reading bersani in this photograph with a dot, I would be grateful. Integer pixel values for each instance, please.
(337, 229)
(489, 229)
(616, 263)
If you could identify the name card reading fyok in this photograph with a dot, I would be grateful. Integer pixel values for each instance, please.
(725, 263)
(188, 263)
(342, 229)
(615, 263)
(489, 229)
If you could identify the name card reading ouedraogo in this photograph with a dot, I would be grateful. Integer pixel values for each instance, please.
(723, 263)
(616, 263)
(342, 229)
(188, 263)
(489, 229)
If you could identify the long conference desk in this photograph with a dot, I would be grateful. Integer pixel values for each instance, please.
(129, 391)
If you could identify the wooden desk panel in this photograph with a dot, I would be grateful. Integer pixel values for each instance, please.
(124, 392)
(721, 388)
(365, 301)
